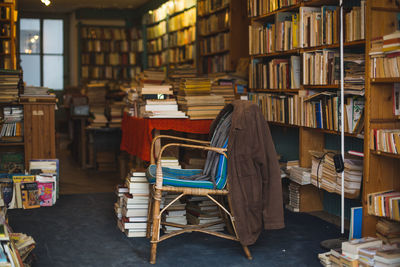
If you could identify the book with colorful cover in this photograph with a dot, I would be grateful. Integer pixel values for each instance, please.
(46, 166)
(45, 194)
(30, 195)
(22, 178)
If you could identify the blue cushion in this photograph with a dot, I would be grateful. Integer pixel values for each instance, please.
(171, 177)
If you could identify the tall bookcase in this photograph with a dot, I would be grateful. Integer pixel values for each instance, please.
(221, 26)
(109, 53)
(171, 34)
(381, 170)
(8, 58)
(294, 70)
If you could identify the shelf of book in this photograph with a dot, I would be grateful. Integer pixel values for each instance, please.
(212, 12)
(226, 22)
(385, 154)
(274, 90)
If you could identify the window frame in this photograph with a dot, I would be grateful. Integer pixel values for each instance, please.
(65, 54)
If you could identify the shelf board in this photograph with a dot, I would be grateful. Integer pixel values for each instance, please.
(377, 121)
(385, 80)
(181, 62)
(385, 154)
(215, 53)
(155, 38)
(315, 129)
(279, 53)
(309, 49)
(5, 20)
(294, 7)
(155, 23)
(107, 65)
(312, 87)
(5, 37)
(157, 52)
(183, 28)
(180, 46)
(11, 143)
(257, 90)
(213, 11)
(347, 44)
(386, 9)
(5, 54)
(182, 11)
(215, 32)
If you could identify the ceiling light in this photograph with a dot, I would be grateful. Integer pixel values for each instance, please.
(46, 2)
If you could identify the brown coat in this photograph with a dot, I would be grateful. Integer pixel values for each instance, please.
(253, 173)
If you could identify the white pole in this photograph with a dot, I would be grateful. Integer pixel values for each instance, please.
(342, 111)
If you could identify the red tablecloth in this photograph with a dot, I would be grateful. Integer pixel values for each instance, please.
(137, 132)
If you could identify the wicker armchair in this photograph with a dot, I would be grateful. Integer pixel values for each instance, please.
(209, 190)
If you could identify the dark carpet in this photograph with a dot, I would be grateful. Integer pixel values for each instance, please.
(81, 230)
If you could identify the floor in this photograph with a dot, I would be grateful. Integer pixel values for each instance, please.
(81, 230)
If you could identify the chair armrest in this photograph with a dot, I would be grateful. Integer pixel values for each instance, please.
(159, 175)
(152, 160)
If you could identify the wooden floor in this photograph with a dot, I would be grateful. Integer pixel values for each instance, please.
(75, 180)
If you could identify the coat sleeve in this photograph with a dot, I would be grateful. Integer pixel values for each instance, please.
(266, 159)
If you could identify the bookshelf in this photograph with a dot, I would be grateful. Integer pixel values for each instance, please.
(218, 24)
(8, 58)
(381, 168)
(171, 34)
(294, 71)
(110, 53)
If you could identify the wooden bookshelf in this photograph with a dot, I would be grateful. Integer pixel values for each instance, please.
(109, 53)
(315, 119)
(381, 169)
(225, 23)
(8, 59)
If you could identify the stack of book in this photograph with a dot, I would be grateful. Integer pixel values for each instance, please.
(387, 257)
(132, 206)
(98, 117)
(12, 129)
(152, 77)
(181, 72)
(385, 56)
(9, 81)
(354, 73)
(175, 214)
(330, 180)
(24, 244)
(388, 231)
(384, 204)
(201, 210)
(225, 88)
(350, 249)
(195, 99)
(294, 197)
(96, 94)
(115, 112)
(161, 108)
(36, 92)
(300, 175)
(170, 162)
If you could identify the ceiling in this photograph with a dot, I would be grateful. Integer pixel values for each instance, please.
(65, 6)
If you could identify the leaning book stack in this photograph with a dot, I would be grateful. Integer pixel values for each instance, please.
(133, 205)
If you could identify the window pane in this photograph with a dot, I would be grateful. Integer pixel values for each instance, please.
(53, 70)
(30, 36)
(53, 36)
(30, 65)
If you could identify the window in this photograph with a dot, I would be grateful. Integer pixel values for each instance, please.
(42, 52)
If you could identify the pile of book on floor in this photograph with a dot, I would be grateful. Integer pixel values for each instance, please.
(330, 180)
(9, 82)
(384, 204)
(195, 99)
(174, 214)
(294, 197)
(12, 128)
(24, 244)
(202, 210)
(366, 251)
(161, 108)
(132, 205)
